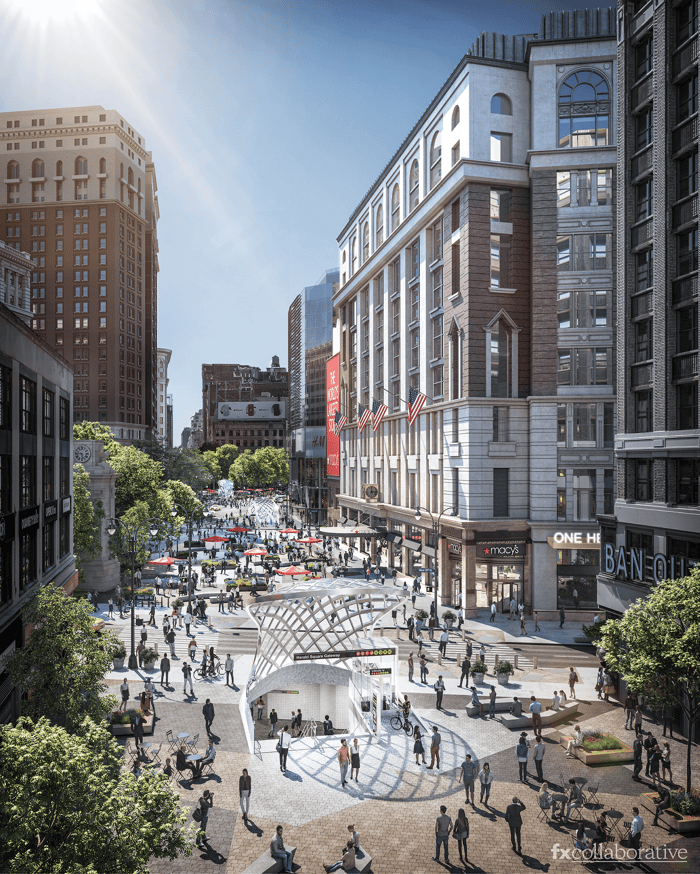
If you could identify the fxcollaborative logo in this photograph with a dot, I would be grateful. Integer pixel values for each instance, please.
(614, 852)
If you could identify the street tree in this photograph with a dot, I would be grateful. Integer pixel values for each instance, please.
(185, 465)
(656, 647)
(67, 807)
(95, 431)
(63, 664)
(139, 479)
(87, 518)
(213, 464)
(226, 455)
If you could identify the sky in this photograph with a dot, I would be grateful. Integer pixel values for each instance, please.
(268, 122)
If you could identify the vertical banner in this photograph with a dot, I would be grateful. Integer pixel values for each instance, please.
(332, 406)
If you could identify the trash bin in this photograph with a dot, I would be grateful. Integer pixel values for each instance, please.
(139, 620)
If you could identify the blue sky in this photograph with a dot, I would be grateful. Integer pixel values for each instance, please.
(268, 121)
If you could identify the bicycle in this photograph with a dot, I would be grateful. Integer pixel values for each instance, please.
(400, 721)
(209, 673)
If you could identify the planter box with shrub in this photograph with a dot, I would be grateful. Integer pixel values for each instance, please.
(600, 748)
(120, 722)
(478, 672)
(684, 813)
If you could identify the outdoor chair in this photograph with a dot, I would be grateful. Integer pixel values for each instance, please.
(545, 813)
(172, 741)
(132, 753)
(207, 768)
(592, 793)
(192, 744)
(155, 753)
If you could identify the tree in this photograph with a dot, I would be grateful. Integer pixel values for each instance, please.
(185, 465)
(656, 647)
(95, 431)
(87, 518)
(226, 455)
(64, 662)
(139, 479)
(67, 806)
(211, 460)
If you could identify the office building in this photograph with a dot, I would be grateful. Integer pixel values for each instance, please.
(310, 345)
(479, 270)
(654, 532)
(80, 197)
(162, 360)
(196, 436)
(36, 482)
(15, 272)
(244, 405)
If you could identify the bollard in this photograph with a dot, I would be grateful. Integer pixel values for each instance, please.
(464, 634)
(534, 662)
(515, 663)
(439, 657)
(155, 648)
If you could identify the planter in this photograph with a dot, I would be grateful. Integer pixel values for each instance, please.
(603, 757)
(671, 818)
(449, 623)
(126, 730)
(118, 664)
(150, 665)
(478, 678)
(502, 679)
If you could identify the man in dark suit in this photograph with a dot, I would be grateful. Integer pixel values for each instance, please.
(649, 744)
(637, 752)
(181, 761)
(515, 821)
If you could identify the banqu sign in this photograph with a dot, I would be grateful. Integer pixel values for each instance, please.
(629, 564)
(511, 551)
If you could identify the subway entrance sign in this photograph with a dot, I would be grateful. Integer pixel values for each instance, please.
(343, 654)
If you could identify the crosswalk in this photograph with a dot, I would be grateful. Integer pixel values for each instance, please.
(456, 651)
(223, 639)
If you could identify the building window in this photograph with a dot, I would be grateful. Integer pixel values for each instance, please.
(27, 480)
(436, 241)
(644, 198)
(353, 256)
(644, 129)
(644, 269)
(379, 219)
(583, 309)
(436, 287)
(643, 411)
(687, 252)
(435, 159)
(501, 364)
(49, 415)
(501, 105)
(28, 401)
(577, 188)
(687, 477)
(455, 117)
(687, 404)
(687, 174)
(455, 153)
(584, 110)
(438, 381)
(584, 366)
(500, 491)
(415, 348)
(500, 424)
(395, 207)
(585, 425)
(644, 57)
(643, 486)
(561, 495)
(501, 147)
(365, 243)
(561, 424)
(584, 487)
(687, 21)
(456, 270)
(413, 192)
(28, 562)
(499, 205)
(5, 397)
(642, 341)
(500, 261)
(584, 252)
(47, 478)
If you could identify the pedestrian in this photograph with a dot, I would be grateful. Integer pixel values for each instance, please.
(637, 749)
(261, 707)
(228, 665)
(139, 652)
(562, 617)
(170, 638)
(492, 617)
(630, 702)
(418, 747)
(187, 678)
(636, 831)
(655, 762)
(467, 774)
(575, 596)
(511, 608)
(150, 690)
(443, 825)
(537, 625)
(244, 786)
(638, 720)
(283, 743)
(355, 760)
(206, 802)
(152, 617)
(515, 821)
(460, 619)
(573, 679)
(666, 763)
(486, 779)
(137, 728)
(435, 741)
(536, 709)
(460, 832)
(649, 744)
(298, 723)
(439, 687)
(343, 757)
(464, 676)
(165, 670)
(667, 719)
(410, 623)
(522, 752)
(110, 608)
(538, 756)
(482, 654)
(469, 649)
(188, 620)
(608, 687)
(442, 645)
(419, 641)
(208, 712)
(523, 630)
(476, 702)
(165, 628)
(410, 667)
(192, 647)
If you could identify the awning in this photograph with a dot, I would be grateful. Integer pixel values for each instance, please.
(350, 531)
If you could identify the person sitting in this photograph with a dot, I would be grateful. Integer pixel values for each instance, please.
(354, 837)
(574, 742)
(208, 759)
(476, 702)
(562, 696)
(182, 764)
(327, 725)
(601, 829)
(544, 797)
(575, 798)
(168, 768)
(347, 862)
(516, 708)
(580, 841)
(556, 700)
(663, 803)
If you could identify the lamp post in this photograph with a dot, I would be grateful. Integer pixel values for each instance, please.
(129, 533)
(449, 511)
(190, 522)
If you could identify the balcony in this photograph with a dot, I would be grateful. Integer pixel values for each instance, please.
(642, 233)
(686, 135)
(685, 212)
(642, 163)
(642, 92)
(685, 289)
(642, 374)
(684, 57)
(685, 366)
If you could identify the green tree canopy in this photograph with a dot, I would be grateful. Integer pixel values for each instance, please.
(139, 479)
(226, 455)
(67, 807)
(64, 662)
(263, 467)
(185, 465)
(87, 518)
(211, 460)
(95, 431)
(656, 647)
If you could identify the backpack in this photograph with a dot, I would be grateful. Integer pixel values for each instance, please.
(521, 751)
(197, 815)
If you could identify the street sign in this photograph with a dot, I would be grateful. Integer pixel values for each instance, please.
(342, 654)
(377, 672)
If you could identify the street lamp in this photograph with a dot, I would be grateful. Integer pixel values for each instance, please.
(190, 522)
(129, 534)
(449, 511)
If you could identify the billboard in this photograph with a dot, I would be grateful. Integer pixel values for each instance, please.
(332, 406)
(250, 410)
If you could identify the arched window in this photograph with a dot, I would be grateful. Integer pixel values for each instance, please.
(37, 169)
(502, 357)
(103, 165)
(59, 168)
(584, 110)
(131, 176)
(353, 256)
(81, 166)
(395, 207)
(455, 117)
(12, 170)
(501, 105)
(379, 225)
(413, 187)
(435, 160)
(365, 243)
(455, 360)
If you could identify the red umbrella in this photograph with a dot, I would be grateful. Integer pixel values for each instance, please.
(290, 531)
(238, 529)
(309, 540)
(215, 539)
(292, 571)
(165, 560)
(255, 552)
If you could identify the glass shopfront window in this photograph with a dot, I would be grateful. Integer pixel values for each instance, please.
(576, 578)
(499, 583)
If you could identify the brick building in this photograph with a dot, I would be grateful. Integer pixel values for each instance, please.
(80, 197)
(478, 269)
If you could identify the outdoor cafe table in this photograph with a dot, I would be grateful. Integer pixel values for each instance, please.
(561, 800)
(183, 735)
(615, 818)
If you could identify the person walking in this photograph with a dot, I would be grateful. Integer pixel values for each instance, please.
(355, 760)
(667, 719)
(188, 621)
(573, 679)
(442, 644)
(523, 629)
(666, 763)
(467, 774)
(187, 678)
(538, 756)
(439, 692)
(443, 824)
(630, 702)
(637, 749)
(110, 608)
(139, 652)
(521, 753)
(649, 745)
(492, 617)
(435, 742)
(511, 608)
(285, 740)
(137, 728)
(205, 804)
(410, 667)
(460, 618)
(536, 709)
(562, 617)
(418, 747)
(124, 688)
(170, 639)
(515, 821)
(464, 676)
(460, 832)
(244, 787)
(221, 602)
(208, 712)
(273, 722)
(537, 624)
(165, 670)
(486, 779)
(228, 665)
(152, 616)
(492, 702)
(423, 669)
(343, 757)
(192, 648)
(410, 623)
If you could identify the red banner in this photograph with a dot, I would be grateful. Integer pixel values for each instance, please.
(332, 405)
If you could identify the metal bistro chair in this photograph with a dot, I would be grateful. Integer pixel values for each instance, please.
(192, 744)
(131, 752)
(592, 793)
(545, 814)
(171, 741)
(155, 753)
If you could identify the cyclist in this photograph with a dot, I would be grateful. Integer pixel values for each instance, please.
(405, 707)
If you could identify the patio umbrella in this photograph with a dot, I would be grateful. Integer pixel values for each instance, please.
(308, 540)
(290, 531)
(215, 538)
(238, 529)
(255, 552)
(165, 560)
(292, 571)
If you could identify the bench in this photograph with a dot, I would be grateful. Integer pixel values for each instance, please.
(363, 862)
(502, 704)
(549, 717)
(265, 864)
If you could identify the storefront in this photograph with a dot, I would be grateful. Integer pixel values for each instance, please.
(578, 564)
(500, 573)
(455, 556)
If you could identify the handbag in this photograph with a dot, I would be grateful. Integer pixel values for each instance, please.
(279, 746)
(197, 815)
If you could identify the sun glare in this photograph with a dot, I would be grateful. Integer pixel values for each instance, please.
(54, 11)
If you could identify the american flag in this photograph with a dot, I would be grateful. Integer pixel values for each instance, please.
(363, 417)
(378, 413)
(416, 401)
(339, 422)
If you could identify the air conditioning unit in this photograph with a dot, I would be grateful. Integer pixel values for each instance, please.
(370, 492)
